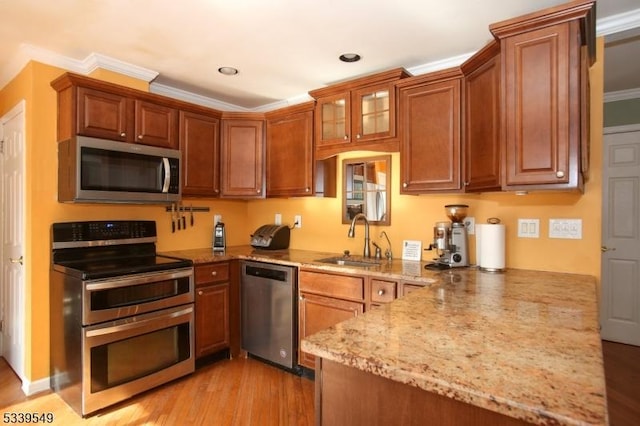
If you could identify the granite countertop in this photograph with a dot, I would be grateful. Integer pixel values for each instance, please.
(522, 343)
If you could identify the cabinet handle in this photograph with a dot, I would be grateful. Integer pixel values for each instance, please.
(560, 174)
(381, 292)
(214, 273)
(605, 249)
(200, 293)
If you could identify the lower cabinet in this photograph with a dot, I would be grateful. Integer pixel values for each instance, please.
(325, 300)
(212, 305)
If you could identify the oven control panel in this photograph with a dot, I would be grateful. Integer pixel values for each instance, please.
(103, 230)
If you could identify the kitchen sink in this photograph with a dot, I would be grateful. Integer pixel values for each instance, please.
(349, 261)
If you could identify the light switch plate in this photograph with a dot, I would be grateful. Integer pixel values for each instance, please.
(297, 220)
(529, 228)
(278, 219)
(470, 224)
(565, 228)
(217, 218)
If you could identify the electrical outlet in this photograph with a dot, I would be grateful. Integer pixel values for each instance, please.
(278, 219)
(565, 228)
(470, 224)
(297, 220)
(529, 228)
(217, 218)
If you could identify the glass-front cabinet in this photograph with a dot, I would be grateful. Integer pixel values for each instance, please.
(357, 114)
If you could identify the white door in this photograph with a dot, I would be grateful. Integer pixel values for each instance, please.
(620, 302)
(12, 233)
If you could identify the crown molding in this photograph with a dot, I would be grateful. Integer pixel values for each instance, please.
(618, 23)
(622, 95)
(194, 98)
(440, 65)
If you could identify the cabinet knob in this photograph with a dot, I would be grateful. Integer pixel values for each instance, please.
(300, 297)
(214, 273)
(358, 136)
(307, 189)
(466, 184)
(381, 292)
(346, 137)
(560, 174)
(200, 293)
(123, 134)
(257, 191)
(404, 184)
(139, 137)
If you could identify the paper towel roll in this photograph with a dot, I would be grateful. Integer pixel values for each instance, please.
(490, 247)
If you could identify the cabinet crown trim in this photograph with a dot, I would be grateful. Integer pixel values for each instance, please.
(351, 84)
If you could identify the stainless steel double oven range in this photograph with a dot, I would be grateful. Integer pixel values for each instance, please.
(122, 317)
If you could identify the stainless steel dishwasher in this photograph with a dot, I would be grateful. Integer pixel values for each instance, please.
(269, 312)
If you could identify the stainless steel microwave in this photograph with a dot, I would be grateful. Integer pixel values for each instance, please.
(92, 170)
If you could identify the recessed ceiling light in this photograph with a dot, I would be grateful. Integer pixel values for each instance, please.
(349, 57)
(228, 70)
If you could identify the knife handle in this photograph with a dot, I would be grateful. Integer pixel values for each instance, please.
(184, 222)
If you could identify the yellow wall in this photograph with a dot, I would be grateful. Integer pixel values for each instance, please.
(412, 216)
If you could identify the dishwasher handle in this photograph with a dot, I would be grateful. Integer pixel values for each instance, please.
(266, 273)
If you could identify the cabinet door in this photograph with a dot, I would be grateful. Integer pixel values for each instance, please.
(290, 155)
(541, 109)
(482, 127)
(242, 158)
(317, 313)
(333, 119)
(212, 319)
(430, 141)
(200, 146)
(156, 125)
(103, 115)
(374, 113)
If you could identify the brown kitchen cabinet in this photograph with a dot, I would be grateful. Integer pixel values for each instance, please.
(325, 300)
(200, 147)
(212, 306)
(289, 152)
(481, 124)
(99, 109)
(357, 114)
(382, 291)
(242, 156)
(430, 142)
(544, 57)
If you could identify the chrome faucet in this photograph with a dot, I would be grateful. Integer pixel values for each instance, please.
(388, 254)
(352, 232)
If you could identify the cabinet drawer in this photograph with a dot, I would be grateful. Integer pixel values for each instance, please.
(408, 288)
(383, 291)
(347, 287)
(211, 273)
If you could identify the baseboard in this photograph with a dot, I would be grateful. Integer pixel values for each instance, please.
(31, 388)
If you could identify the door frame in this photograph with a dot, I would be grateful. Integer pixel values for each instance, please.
(19, 108)
(604, 203)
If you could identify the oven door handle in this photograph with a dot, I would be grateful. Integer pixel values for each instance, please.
(148, 322)
(111, 283)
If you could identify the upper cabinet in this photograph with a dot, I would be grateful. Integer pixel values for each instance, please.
(94, 108)
(358, 114)
(200, 148)
(430, 157)
(242, 156)
(481, 123)
(289, 151)
(545, 57)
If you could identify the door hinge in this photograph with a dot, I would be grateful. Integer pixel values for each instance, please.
(1, 325)
(2, 146)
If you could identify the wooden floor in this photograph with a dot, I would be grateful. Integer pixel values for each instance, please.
(229, 392)
(248, 392)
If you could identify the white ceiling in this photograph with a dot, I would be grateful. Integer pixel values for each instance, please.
(282, 48)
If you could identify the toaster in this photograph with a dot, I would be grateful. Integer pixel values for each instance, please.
(271, 237)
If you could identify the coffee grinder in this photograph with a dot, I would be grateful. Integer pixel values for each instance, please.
(450, 239)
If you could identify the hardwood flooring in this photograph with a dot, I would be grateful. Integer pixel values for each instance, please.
(241, 391)
(248, 392)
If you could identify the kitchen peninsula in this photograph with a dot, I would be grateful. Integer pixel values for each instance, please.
(469, 347)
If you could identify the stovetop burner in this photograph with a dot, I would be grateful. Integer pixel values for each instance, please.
(108, 268)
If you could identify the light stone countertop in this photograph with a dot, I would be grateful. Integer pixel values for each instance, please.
(522, 343)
